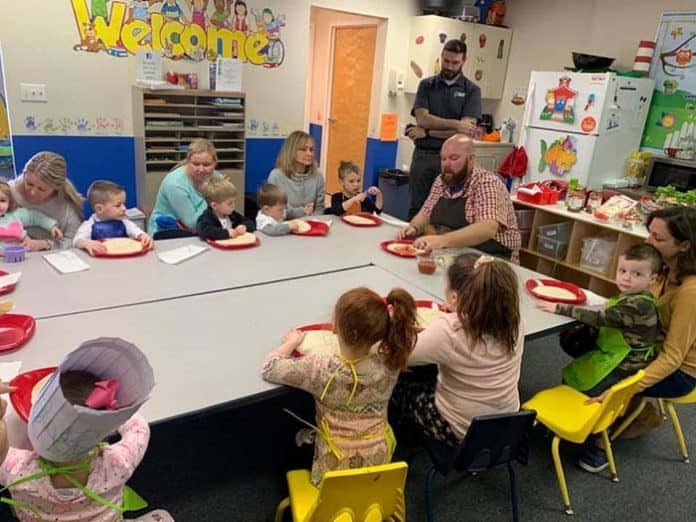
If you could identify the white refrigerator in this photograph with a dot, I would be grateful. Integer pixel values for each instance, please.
(582, 125)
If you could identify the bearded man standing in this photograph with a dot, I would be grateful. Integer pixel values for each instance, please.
(446, 104)
(468, 206)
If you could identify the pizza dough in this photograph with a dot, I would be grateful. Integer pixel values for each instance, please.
(123, 245)
(302, 226)
(402, 248)
(554, 292)
(427, 316)
(38, 387)
(358, 220)
(320, 342)
(245, 239)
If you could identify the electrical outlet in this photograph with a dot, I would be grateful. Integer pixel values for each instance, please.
(33, 92)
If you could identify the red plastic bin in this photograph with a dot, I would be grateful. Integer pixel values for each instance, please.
(545, 197)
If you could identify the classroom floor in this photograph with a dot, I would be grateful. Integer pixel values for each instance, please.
(229, 466)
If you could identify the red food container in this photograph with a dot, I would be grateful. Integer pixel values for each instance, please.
(545, 197)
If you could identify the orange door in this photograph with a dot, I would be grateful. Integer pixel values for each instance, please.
(351, 88)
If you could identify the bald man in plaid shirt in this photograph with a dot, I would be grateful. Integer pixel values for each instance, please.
(468, 206)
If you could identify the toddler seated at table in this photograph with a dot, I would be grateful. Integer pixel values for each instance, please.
(352, 199)
(273, 201)
(628, 325)
(220, 220)
(108, 201)
(14, 219)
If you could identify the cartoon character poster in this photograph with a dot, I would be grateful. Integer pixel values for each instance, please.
(181, 29)
(6, 162)
(560, 103)
(559, 156)
(671, 121)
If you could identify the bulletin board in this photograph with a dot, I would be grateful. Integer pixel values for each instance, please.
(671, 121)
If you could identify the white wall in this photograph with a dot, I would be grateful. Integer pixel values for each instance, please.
(546, 31)
(38, 38)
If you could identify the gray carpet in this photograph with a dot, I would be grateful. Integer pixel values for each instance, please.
(229, 466)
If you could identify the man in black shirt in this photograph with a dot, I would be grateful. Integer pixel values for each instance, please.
(446, 104)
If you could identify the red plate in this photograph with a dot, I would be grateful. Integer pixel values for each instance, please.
(319, 228)
(214, 243)
(424, 303)
(308, 328)
(6, 289)
(25, 382)
(375, 220)
(385, 245)
(142, 252)
(579, 298)
(15, 331)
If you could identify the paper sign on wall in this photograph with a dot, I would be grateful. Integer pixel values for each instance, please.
(228, 75)
(389, 128)
(148, 67)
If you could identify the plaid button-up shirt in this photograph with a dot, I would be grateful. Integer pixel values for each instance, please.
(486, 198)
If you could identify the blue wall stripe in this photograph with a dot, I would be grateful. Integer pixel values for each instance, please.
(89, 158)
(315, 131)
(261, 155)
(378, 155)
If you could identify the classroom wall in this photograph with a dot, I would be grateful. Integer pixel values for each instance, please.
(546, 31)
(88, 114)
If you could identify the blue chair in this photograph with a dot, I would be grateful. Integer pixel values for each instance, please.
(492, 441)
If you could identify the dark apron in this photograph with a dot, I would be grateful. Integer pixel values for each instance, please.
(108, 229)
(450, 214)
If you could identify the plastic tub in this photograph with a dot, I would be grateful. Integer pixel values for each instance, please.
(524, 237)
(524, 219)
(557, 231)
(597, 253)
(551, 247)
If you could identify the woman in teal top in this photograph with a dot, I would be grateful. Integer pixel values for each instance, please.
(179, 198)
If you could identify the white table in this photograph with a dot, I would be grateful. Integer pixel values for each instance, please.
(43, 292)
(206, 350)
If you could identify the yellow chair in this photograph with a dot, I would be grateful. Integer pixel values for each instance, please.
(689, 398)
(367, 494)
(562, 410)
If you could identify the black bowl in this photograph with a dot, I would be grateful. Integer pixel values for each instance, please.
(590, 61)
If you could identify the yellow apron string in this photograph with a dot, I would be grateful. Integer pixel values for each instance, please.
(353, 370)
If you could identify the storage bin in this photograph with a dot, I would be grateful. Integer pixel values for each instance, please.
(524, 219)
(558, 231)
(597, 253)
(551, 247)
(524, 237)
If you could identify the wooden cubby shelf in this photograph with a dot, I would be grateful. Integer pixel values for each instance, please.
(164, 123)
(568, 266)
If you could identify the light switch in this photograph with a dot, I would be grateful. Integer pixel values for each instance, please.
(33, 92)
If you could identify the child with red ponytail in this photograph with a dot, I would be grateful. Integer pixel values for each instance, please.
(352, 388)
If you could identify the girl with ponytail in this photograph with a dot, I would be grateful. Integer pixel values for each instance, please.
(352, 388)
(478, 350)
(44, 186)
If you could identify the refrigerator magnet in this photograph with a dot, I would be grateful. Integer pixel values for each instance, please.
(588, 124)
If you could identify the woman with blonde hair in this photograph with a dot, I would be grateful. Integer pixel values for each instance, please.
(297, 174)
(44, 186)
(179, 199)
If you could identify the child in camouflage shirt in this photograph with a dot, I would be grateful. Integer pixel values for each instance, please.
(628, 325)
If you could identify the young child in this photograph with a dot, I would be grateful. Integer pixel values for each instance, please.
(75, 475)
(220, 220)
(273, 201)
(108, 201)
(352, 388)
(628, 326)
(352, 200)
(477, 350)
(13, 219)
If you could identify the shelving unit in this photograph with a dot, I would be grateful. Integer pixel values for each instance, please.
(165, 122)
(568, 267)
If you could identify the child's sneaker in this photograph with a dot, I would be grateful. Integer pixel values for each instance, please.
(593, 459)
(304, 436)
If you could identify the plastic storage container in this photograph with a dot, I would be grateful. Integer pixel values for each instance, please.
(394, 186)
(557, 231)
(552, 247)
(597, 253)
(524, 237)
(524, 219)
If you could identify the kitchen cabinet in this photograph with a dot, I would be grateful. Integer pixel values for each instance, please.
(488, 48)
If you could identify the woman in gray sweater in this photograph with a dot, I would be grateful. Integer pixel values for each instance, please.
(297, 174)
